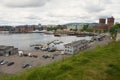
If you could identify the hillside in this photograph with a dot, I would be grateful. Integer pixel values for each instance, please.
(73, 24)
(102, 63)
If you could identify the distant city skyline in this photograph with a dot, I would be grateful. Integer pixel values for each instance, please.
(15, 12)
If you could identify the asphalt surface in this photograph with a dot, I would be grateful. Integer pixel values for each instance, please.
(20, 61)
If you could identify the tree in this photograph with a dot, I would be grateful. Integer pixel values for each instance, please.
(90, 30)
(85, 27)
(60, 27)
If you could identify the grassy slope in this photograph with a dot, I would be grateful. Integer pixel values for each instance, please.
(102, 63)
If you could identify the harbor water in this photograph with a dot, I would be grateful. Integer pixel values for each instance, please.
(23, 41)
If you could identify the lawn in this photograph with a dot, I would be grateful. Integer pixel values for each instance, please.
(102, 63)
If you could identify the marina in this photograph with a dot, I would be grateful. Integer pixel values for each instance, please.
(23, 41)
(38, 49)
(31, 58)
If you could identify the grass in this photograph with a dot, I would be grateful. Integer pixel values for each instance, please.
(102, 63)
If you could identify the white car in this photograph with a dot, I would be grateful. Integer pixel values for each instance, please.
(20, 53)
(4, 62)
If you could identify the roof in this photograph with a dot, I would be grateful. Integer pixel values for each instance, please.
(76, 43)
(2, 47)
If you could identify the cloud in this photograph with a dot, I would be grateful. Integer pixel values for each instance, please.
(93, 6)
(24, 3)
(32, 17)
(57, 11)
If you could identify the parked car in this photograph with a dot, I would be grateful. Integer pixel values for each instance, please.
(20, 53)
(4, 62)
(29, 64)
(25, 55)
(35, 56)
(46, 56)
(25, 66)
(10, 63)
(29, 54)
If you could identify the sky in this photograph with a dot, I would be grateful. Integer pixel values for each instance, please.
(48, 12)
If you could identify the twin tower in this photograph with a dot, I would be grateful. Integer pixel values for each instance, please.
(110, 21)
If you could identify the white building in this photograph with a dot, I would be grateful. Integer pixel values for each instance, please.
(75, 47)
(75, 27)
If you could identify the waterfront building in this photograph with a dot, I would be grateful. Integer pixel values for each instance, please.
(7, 50)
(5, 28)
(75, 47)
(24, 28)
(73, 27)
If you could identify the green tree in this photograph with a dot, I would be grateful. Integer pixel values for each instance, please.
(90, 30)
(60, 27)
(85, 27)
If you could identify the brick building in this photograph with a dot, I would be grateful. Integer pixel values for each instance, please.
(102, 21)
(110, 21)
(102, 24)
(24, 29)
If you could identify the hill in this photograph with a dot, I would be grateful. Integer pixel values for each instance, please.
(102, 63)
(74, 24)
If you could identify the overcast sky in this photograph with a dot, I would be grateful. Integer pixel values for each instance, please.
(15, 12)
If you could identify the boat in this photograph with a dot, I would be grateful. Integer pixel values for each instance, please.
(37, 46)
(57, 34)
(81, 35)
(48, 32)
(37, 31)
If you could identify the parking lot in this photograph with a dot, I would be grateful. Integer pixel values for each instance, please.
(20, 61)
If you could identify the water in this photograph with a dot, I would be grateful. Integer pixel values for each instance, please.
(23, 41)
